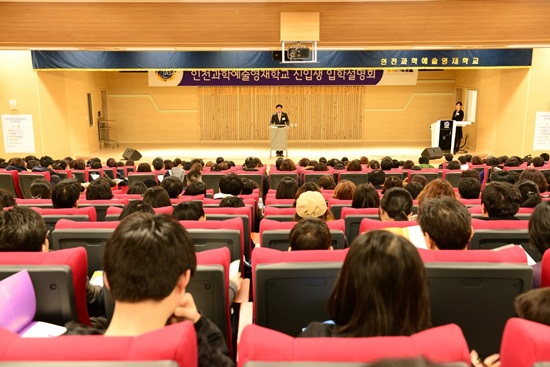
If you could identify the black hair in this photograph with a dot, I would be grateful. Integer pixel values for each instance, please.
(386, 164)
(193, 176)
(135, 206)
(248, 186)
(503, 176)
(137, 188)
(287, 188)
(46, 161)
(189, 210)
(530, 194)
(157, 197)
(195, 188)
(144, 167)
(469, 188)
(501, 199)
(22, 229)
(231, 184)
(377, 177)
(449, 157)
(545, 156)
(397, 203)
(231, 202)
(414, 188)
(41, 189)
(424, 160)
(99, 189)
(279, 105)
(310, 234)
(539, 227)
(158, 163)
(66, 193)
(365, 196)
(453, 165)
(6, 199)
(173, 186)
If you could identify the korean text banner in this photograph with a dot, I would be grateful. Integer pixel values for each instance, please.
(204, 60)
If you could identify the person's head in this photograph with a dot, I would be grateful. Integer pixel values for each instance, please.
(312, 204)
(231, 184)
(374, 164)
(158, 163)
(144, 167)
(22, 229)
(476, 160)
(189, 210)
(95, 164)
(449, 157)
(396, 204)
(193, 176)
(6, 199)
(539, 227)
(310, 234)
(503, 176)
(436, 189)
(249, 186)
(130, 163)
(469, 188)
(470, 173)
(344, 190)
(111, 162)
(137, 188)
(320, 167)
(365, 196)
(458, 106)
(195, 188)
(530, 195)
(18, 162)
(135, 206)
(286, 188)
(79, 164)
(66, 194)
(32, 163)
(536, 162)
(231, 202)
(392, 181)
(279, 162)
(446, 224)
(424, 160)
(414, 188)
(326, 182)
(500, 199)
(279, 108)
(462, 159)
(46, 161)
(395, 302)
(386, 164)
(173, 186)
(99, 189)
(354, 166)
(303, 162)
(408, 164)
(41, 189)
(157, 197)
(287, 165)
(149, 258)
(219, 160)
(453, 165)
(377, 177)
(545, 156)
(421, 179)
(28, 158)
(308, 186)
(534, 305)
(537, 177)
(512, 162)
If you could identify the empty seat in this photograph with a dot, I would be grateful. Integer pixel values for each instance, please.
(453, 176)
(38, 203)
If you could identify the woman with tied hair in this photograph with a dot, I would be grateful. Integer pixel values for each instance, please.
(391, 181)
(537, 177)
(396, 205)
(530, 195)
(396, 301)
(436, 189)
(344, 190)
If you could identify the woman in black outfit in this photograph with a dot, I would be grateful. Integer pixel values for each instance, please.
(458, 115)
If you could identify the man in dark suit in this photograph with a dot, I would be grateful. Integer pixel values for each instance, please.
(280, 118)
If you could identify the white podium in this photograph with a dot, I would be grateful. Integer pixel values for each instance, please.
(444, 131)
(278, 137)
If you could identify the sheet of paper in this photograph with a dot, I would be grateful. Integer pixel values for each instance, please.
(43, 330)
(97, 278)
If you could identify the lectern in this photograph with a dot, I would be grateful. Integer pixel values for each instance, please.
(444, 132)
(278, 137)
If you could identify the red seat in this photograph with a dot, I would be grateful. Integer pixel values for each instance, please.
(89, 211)
(333, 201)
(269, 225)
(270, 201)
(508, 255)
(15, 176)
(35, 202)
(477, 210)
(524, 343)
(272, 210)
(443, 344)
(545, 272)
(184, 198)
(75, 258)
(499, 224)
(69, 224)
(470, 202)
(358, 211)
(175, 342)
(372, 224)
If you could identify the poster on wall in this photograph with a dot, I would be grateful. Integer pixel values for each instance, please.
(18, 134)
(542, 131)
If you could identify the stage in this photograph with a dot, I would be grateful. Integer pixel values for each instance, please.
(238, 151)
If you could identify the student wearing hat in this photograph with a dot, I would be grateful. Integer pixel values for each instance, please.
(312, 204)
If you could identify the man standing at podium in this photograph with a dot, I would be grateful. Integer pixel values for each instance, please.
(280, 118)
(458, 115)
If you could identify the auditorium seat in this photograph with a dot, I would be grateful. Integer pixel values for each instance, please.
(275, 234)
(477, 210)
(494, 238)
(102, 205)
(444, 344)
(81, 176)
(9, 181)
(64, 174)
(291, 289)
(310, 176)
(59, 280)
(478, 297)
(430, 174)
(276, 176)
(356, 177)
(184, 198)
(38, 203)
(253, 176)
(279, 203)
(470, 202)
(335, 206)
(27, 178)
(545, 272)
(514, 255)
(227, 213)
(524, 343)
(353, 217)
(212, 180)
(453, 176)
(175, 342)
(52, 216)
(140, 177)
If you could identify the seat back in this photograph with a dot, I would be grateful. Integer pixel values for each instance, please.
(291, 289)
(38, 203)
(279, 239)
(245, 213)
(274, 178)
(27, 178)
(353, 217)
(478, 297)
(140, 177)
(257, 177)
(212, 180)
(356, 177)
(494, 238)
(101, 206)
(442, 344)
(525, 344)
(430, 176)
(514, 254)
(452, 176)
(80, 175)
(59, 280)
(313, 177)
(9, 181)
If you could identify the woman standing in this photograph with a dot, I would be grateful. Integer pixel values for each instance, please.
(458, 115)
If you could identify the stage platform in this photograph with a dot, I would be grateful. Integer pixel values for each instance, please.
(238, 151)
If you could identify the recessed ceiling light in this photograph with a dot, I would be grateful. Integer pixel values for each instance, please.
(53, 48)
(150, 49)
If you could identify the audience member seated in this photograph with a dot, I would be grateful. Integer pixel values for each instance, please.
(66, 194)
(436, 189)
(537, 162)
(414, 188)
(6, 199)
(41, 189)
(454, 165)
(137, 188)
(148, 262)
(144, 167)
(230, 185)
(192, 176)
(365, 196)
(287, 165)
(31, 164)
(500, 200)
(448, 158)
(469, 188)
(310, 234)
(286, 188)
(344, 190)
(502, 176)
(195, 188)
(396, 301)
(99, 189)
(424, 162)
(421, 179)
(374, 164)
(377, 178)
(386, 164)
(390, 182)
(534, 305)
(463, 161)
(231, 202)
(308, 186)
(189, 210)
(530, 195)
(470, 173)
(354, 166)
(157, 197)
(476, 161)
(446, 224)
(158, 165)
(537, 177)
(135, 206)
(173, 186)
(80, 165)
(312, 204)
(17, 164)
(539, 236)
(326, 182)
(249, 186)
(396, 205)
